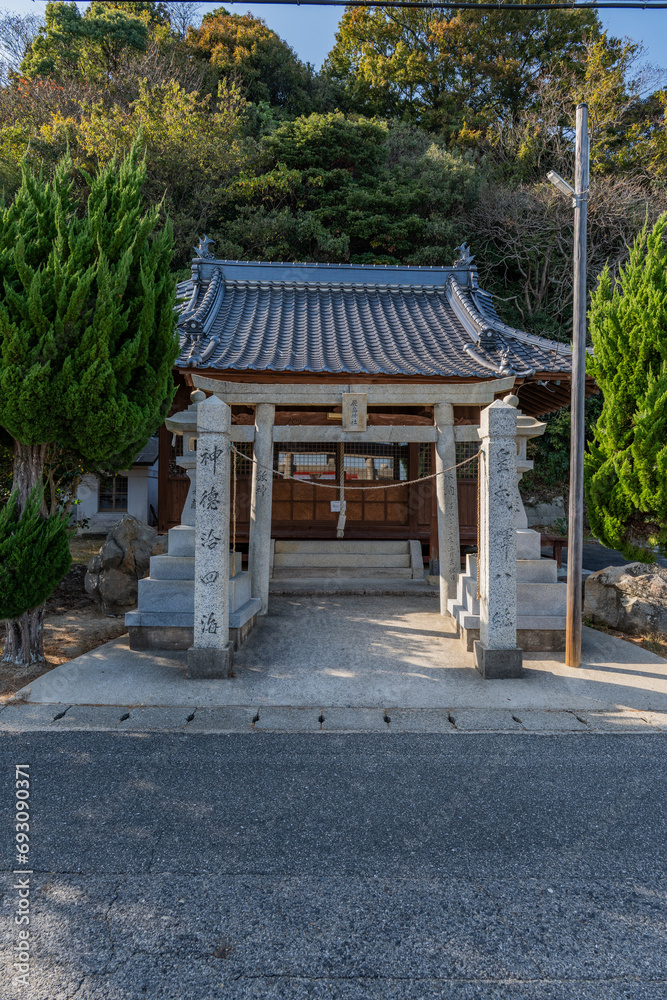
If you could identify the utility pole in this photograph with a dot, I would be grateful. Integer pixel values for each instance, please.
(575, 539)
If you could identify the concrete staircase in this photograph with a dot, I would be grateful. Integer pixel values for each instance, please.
(164, 618)
(541, 600)
(333, 560)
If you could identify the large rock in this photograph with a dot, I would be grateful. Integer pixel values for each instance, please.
(123, 560)
(631, 598)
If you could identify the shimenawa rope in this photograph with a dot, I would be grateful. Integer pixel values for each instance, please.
(336, 486)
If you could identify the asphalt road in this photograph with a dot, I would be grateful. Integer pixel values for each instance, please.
(598, 557)
(355, 866)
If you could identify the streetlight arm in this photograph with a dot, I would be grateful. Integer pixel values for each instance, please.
(561, 184)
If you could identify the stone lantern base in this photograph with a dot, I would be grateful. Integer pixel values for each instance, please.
(164, 618)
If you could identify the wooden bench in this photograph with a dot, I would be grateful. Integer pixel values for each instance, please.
(556, 542)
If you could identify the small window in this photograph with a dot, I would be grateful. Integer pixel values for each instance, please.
(113, 493)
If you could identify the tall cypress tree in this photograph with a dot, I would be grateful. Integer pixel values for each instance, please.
(626, 467)
(87, 330)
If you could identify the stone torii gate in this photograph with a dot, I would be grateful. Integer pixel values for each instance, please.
(211, 653)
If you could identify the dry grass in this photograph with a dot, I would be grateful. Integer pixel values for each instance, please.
(73, 624)
(84, 547)
(653, 643)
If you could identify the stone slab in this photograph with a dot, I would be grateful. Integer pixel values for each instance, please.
(166, 637)
(361, 571)
(160, 619)
(657, 719)
(222, 720)
(338, 546)
(425, 720)
(615, 722)
(498, 664)
(242, 615)
(181, 541)
(528, 544)
(416, 559)
(542, 599)
(551, 721)
(478, 720)
(156, 718)
(210, 662)
(351, 720)
(399, 560)
(91, 717)
(171, 567)
(17, 717)
(536, 570)
(540, 640)
(346, 586)
(288, 720)
(166, 595)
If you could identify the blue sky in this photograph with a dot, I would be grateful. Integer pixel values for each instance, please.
(310, 30)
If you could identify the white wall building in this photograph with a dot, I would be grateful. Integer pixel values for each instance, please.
(134, 491)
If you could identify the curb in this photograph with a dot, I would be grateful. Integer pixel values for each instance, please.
(25, 717)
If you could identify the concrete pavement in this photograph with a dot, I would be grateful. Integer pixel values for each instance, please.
(381, 652)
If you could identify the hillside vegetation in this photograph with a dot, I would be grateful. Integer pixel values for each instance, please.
(415, 135)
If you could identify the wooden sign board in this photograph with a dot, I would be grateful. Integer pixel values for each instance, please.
(354, 411)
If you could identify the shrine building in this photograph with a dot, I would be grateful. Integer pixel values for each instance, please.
(401, 339)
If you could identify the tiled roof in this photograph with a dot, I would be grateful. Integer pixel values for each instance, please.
(351, 319)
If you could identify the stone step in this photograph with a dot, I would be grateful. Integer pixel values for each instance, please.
(327, 546)
(527, 570)
(335, 572)
(179, 595)
(532, 598)
(340, 559)
(166, 595)
(541, 599)
(169, 567)
(181, 541)
(528, 544)
(550, 623)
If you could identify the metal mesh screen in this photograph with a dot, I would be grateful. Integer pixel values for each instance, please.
(363, 461)
(244, 465)
(466, 449)
(376, 461)
(424, 460)
(305, 460)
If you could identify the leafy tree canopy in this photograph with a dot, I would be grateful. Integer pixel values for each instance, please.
(86, 44)
(336, 187)
(446, 69)
(242, 49)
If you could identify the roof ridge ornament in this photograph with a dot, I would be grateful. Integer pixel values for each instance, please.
(466, 258)
(202, 249)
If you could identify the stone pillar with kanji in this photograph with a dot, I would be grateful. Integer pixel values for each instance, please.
(211, 653)
(496, 652)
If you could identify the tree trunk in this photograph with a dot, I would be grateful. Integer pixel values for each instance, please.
(28, 470)
(24, 639)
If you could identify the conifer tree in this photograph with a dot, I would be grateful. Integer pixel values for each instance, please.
(34, 557)
(87, 330)
(626, 468)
